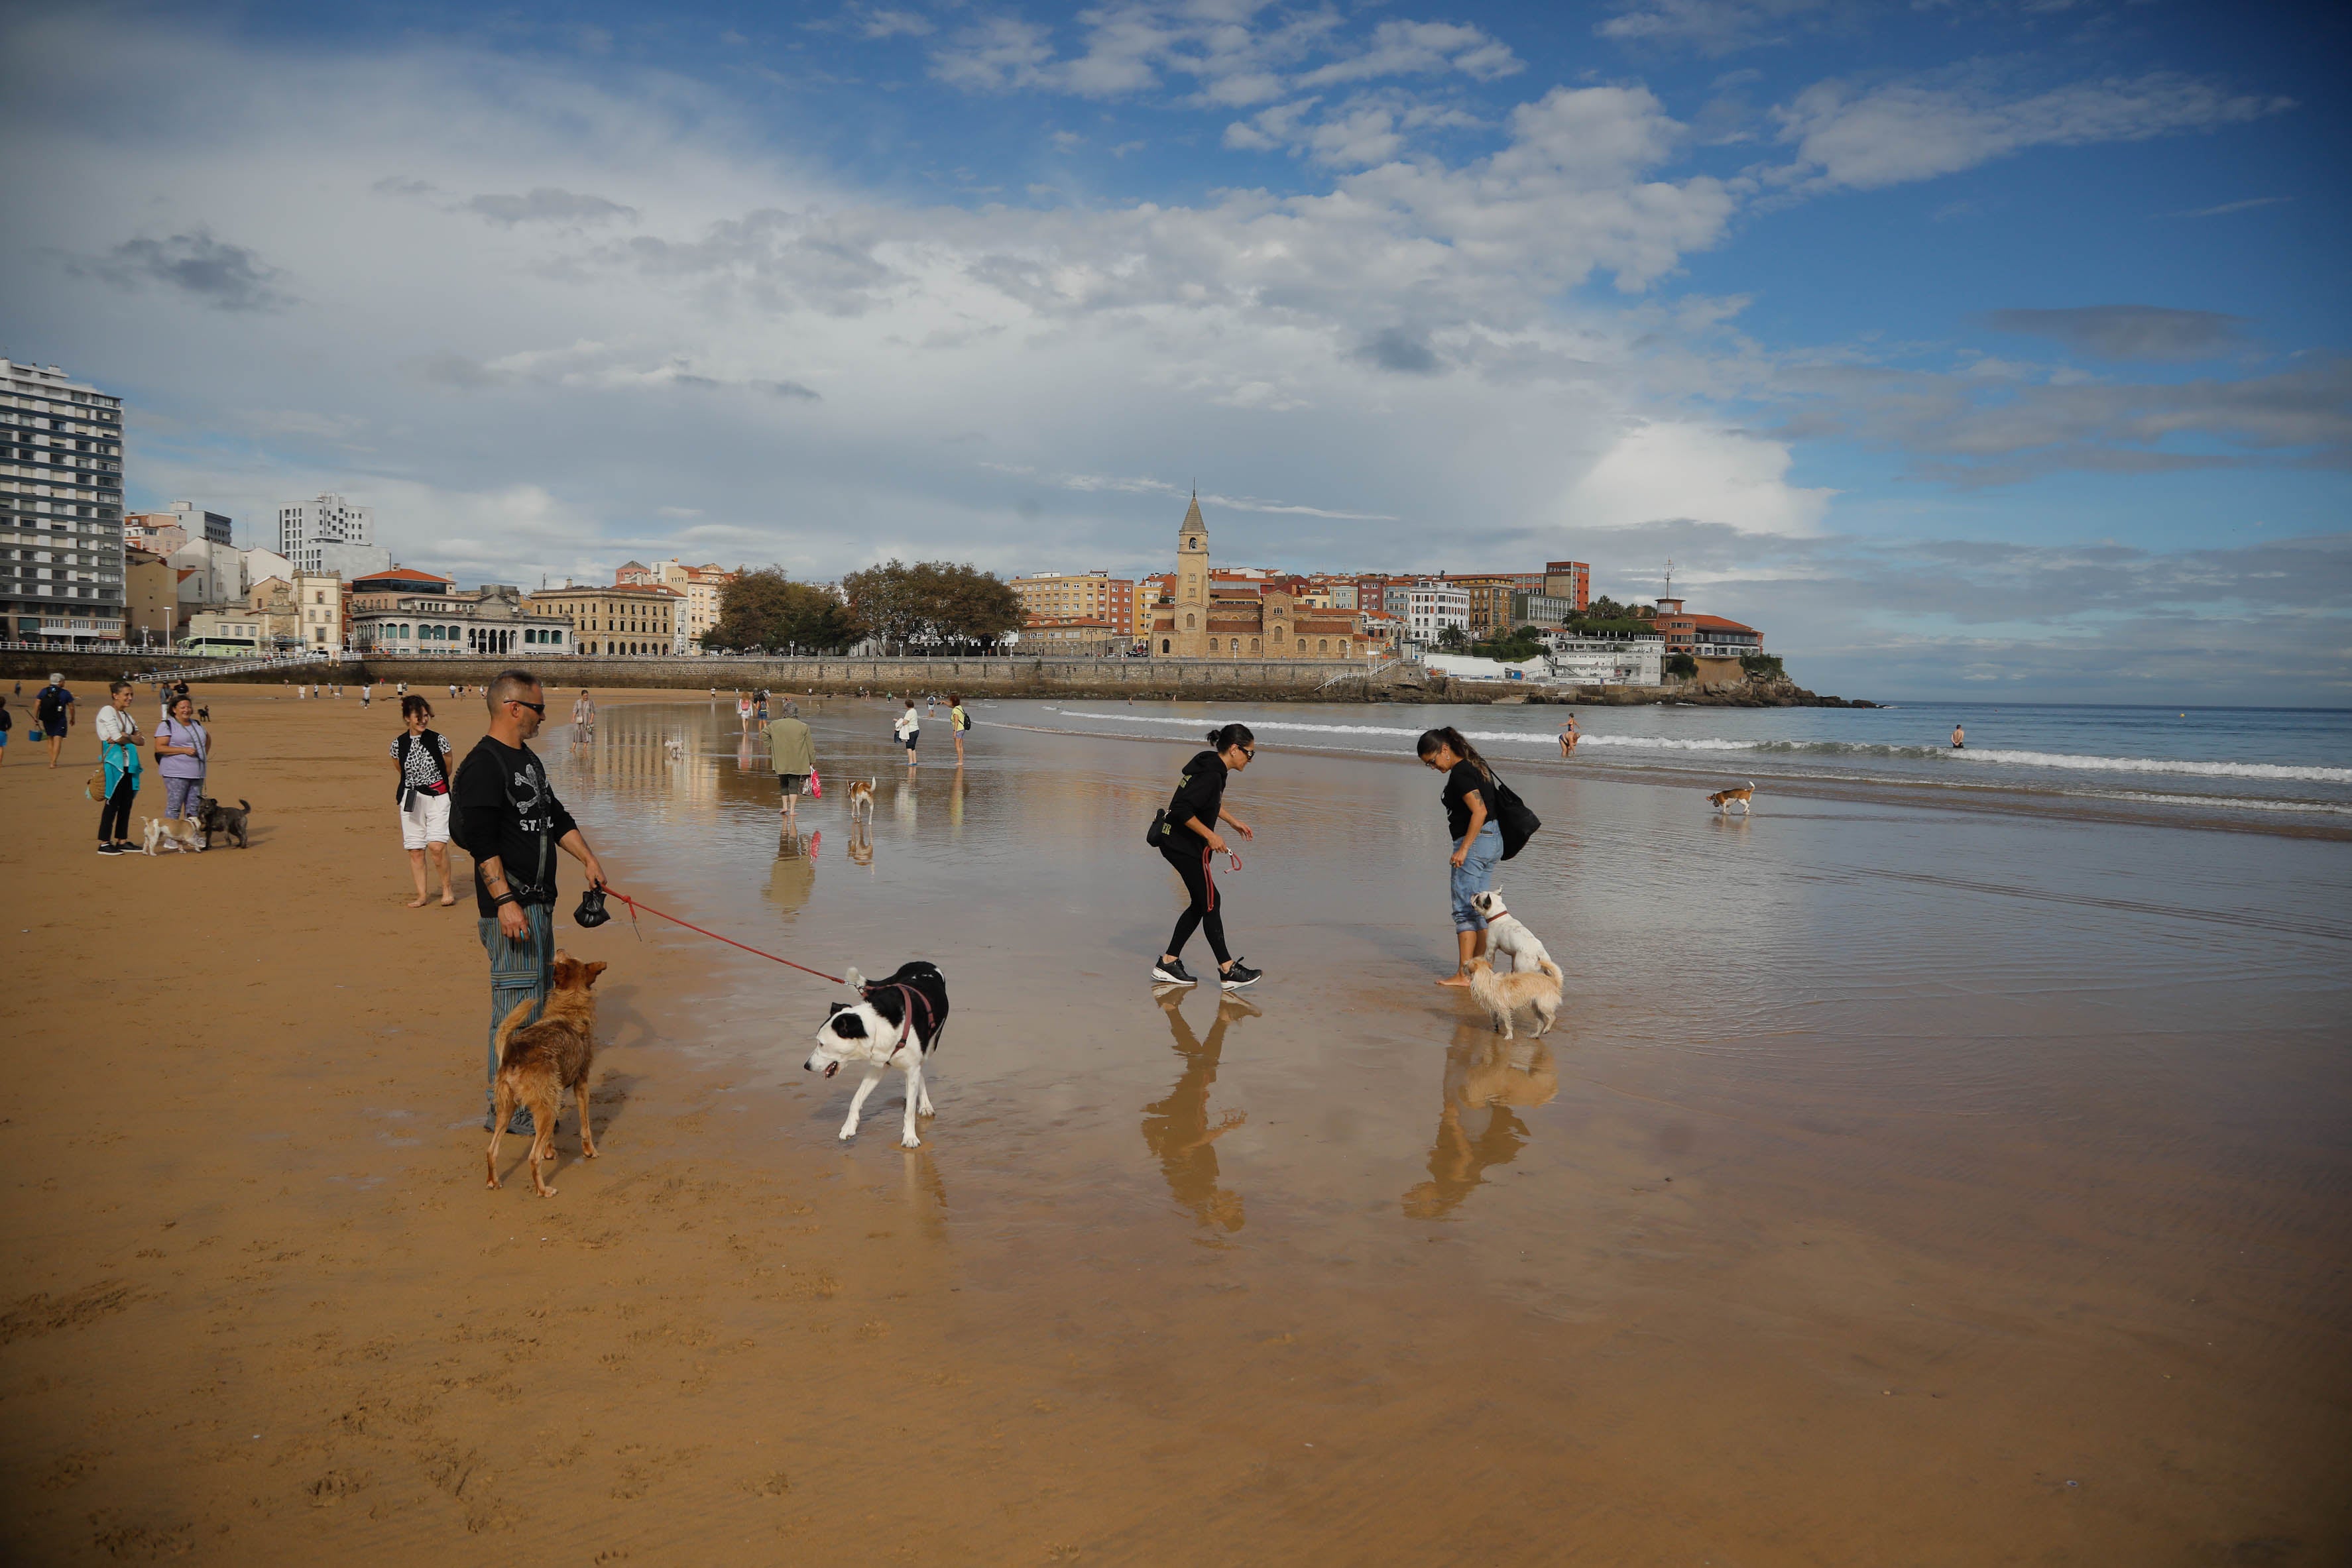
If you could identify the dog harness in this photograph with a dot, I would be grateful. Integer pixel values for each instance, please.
(907, 1024)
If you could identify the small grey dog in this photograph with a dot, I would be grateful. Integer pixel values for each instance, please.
(211, 817)
(1515, 948)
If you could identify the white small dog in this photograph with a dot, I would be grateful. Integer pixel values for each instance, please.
(676, 749)
(173, 832)
(895, 1020)
(1515, 947)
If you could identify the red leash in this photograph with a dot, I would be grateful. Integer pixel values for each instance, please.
(635, 905)
(1209, 875)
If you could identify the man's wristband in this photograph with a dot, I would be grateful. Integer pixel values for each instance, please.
(503, 898)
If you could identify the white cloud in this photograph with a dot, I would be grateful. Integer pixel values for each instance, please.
(1862, 137)
(1665, 472)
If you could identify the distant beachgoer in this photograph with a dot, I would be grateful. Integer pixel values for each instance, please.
(7, 722)
(401, 690)
(182, 747)
(1569, 737)
(909, 729)
(118, 742)
(959, 721)
(420, 764)
(1469, 798)
(761, 712)
(583, 713)
(930, 706)
(52, 710)
(1186, 836)
(1959, 738)
(743, 712)
(792, 754)
(367, 694)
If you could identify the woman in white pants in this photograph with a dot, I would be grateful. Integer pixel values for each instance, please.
(420, 756)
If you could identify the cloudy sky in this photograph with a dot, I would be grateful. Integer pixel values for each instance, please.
(1971, 348)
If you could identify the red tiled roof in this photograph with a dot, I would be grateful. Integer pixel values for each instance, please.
(1716, 623)
(403, 574)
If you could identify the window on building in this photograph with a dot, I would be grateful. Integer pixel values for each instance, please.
(1302, 644)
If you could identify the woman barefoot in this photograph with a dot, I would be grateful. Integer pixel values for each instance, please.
(1469, 798)
(420, 758)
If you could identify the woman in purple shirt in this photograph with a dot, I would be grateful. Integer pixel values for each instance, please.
(182, 747)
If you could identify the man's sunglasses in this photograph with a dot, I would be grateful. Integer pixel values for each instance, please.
(538, 708)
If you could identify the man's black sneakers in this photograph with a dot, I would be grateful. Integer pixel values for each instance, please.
(1238, 975)
(1171, 971)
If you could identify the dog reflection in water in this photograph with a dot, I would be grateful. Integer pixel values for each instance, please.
(1178, 1129)
(1485, 1079)
(861, 842)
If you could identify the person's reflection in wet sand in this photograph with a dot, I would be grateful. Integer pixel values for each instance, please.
(1176, 1127)
(795, 876)
(745, 758)
(1485, 1076)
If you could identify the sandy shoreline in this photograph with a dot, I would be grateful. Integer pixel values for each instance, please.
(262, 1307)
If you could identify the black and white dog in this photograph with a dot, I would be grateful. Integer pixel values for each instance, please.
(897, 1021)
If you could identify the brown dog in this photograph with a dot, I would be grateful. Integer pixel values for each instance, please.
(538, 1063)
(1743, 798)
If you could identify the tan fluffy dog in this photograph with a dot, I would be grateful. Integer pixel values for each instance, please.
(538, 1063)
(1502, 995)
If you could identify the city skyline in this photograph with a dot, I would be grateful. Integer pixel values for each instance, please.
(1988, 351)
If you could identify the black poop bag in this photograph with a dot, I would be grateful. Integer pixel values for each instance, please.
(592, 912)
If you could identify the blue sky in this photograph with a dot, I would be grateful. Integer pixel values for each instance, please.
(1972, 350)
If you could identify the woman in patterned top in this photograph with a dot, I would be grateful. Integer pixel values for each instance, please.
(420, 756)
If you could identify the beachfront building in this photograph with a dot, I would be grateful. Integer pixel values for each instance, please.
(1607, 661)
(1542, 611)
(389, 588)
(60, 509)
(1255, 614)
(305, 526)
(1568, 580)
(151, 600)
(1077, 636)
(1151, 593)
(1075, 596)
(636, 621)
(177, 524)
(321, 623)
(490, 621)
(1489, 597)
(1705, 636)
(1431, 606)
(223, 634)
(700, 586)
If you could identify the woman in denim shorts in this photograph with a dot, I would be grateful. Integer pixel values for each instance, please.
(1469, 798)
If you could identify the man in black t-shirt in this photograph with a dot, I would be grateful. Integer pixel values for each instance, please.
(505, 815)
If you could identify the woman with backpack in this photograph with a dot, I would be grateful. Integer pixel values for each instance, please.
(420, 756)
(1186, 835)
(1473, 798)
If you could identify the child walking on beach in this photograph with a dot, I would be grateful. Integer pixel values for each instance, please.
(1186, 835)
(1469, 798)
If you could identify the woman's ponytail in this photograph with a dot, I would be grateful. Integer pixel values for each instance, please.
(1231, 736)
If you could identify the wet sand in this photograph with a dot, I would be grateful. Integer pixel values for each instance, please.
(1902, 1185)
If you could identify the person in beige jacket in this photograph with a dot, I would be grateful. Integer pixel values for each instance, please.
(794, 757)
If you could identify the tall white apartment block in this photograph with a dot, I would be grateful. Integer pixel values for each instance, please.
(1432, 606)
(304, 526)
(60, 509)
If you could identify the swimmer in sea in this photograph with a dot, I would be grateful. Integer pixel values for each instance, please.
(1959, 738)
(1568, 737)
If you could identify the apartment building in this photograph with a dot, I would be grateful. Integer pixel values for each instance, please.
(1076, 595)
(1150, 592)
(320, 605)
(700, 586)
(147, 530)
(1540, 610)
(61, 542)
(1490, 597)
(625, 621)
(1568, 580)
(305, 526)
(385, 589)
(1432, 605)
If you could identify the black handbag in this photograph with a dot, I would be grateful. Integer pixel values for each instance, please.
(1517, 822)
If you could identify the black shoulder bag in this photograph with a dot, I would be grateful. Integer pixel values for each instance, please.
(1512, 817)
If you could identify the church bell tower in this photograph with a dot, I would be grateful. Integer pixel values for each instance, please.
(1192, 582)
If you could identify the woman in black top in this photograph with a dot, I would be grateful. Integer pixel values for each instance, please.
(1469, 798)
(1187, 837)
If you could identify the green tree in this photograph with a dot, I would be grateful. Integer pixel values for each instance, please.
(1681, 664)
(1762, 666)
(930, 601)
(1522, 643)
(1452, 638)
(766, 609)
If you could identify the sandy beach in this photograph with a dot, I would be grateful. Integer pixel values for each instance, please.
(1903, 1185)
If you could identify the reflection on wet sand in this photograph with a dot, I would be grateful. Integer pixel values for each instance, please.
(861, 842)
(1176, 1125)
(1485, 1076)
(794, 875)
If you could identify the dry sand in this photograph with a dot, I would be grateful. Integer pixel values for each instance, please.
(262, 1310)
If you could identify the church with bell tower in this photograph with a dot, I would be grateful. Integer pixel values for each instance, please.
(1244, 618)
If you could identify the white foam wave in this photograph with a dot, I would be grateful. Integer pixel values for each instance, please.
(1543, 738)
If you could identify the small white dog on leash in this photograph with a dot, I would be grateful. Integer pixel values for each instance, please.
(1514, 947)
(173, 832)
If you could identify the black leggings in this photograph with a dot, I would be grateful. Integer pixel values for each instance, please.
(1200, 914)
(116, 813)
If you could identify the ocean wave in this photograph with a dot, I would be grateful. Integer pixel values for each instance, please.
(2281, 773)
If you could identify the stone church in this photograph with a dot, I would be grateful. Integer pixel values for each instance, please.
(1204, 619)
